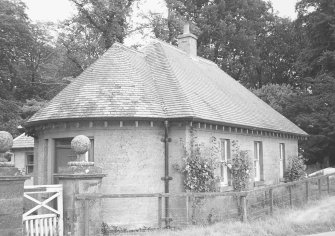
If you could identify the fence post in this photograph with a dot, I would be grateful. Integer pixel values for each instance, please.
(290, 193)
(319, 187)
(167, 213)
(160, 211)
(328, 185)
(244, 216)
(187, 208)
(307, 191)
(271, 200)
(86, 218)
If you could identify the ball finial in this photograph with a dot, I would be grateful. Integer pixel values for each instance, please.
(6, 141)
(80, 144)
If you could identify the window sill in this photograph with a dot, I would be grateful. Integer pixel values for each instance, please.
(226, 188)
(281, 180)
(259, 183)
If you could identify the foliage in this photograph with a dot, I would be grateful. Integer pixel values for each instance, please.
(244, 38)
(199, 169)
(200, 162)
(198, 166)
(87, 35)
(113, 229)
(241, 168)
(27, 59)
(316, 217)
(280, 97)
(315, 108)
(106, 18)
(295, 169)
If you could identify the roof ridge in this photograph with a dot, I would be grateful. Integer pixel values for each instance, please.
(106, 54)
(175, 81)
(183, 52)
(23, 134)
(127, 48)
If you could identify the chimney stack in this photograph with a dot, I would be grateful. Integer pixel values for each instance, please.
(188, 41)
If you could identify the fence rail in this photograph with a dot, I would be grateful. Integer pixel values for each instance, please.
(245, 205)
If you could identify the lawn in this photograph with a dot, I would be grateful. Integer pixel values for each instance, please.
(316, 217)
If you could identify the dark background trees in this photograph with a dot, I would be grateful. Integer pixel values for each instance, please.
(290, 64)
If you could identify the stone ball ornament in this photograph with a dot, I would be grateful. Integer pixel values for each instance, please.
(6, 141)
(80, 144)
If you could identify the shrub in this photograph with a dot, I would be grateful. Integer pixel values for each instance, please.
(240, 168)
(295, 169)
(198, 165)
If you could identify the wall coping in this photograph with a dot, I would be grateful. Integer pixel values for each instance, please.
(79, 176)
(14, 178)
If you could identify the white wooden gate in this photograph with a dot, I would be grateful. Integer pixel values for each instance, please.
(46, 217)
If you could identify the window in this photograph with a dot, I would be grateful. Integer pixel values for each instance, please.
(29, 163)
(258, 160)
(9, 156)
(225, 158)
(281, 160)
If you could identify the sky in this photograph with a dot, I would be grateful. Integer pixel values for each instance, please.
(54, 10)
(58, 10)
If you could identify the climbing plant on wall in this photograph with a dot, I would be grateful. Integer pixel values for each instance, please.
(201, 159)
(198, 164)
(240, 168)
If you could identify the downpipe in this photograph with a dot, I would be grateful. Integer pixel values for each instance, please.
(166, 177)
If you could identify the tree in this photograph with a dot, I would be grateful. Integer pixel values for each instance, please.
(316, 67)
(26, 57)
(15, 34)
(80, 45)
(244, 37)
(107, 18)
(87, 35)
(279, 97)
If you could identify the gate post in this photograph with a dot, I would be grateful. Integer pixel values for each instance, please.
(81, 217)
(11, 191)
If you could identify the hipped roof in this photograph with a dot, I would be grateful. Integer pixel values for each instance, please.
(23, 141)
(160, 81)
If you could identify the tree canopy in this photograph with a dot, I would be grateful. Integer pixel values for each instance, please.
(290, 64)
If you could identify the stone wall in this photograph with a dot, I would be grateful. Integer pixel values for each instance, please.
(132, 155)
(11, 207)
(246, 142)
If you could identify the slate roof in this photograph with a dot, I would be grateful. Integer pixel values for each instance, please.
(161, 81)
(23, 141)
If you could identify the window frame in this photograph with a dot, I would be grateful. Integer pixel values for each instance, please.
(225, 156)
(258, 161)
(282, 157)
(29, 164)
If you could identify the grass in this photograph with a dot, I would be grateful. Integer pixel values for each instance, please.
(316, 217)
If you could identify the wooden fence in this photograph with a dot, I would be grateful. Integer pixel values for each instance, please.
(263, 200)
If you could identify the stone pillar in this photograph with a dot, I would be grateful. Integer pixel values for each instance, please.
(81, 217)
(11, 191)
